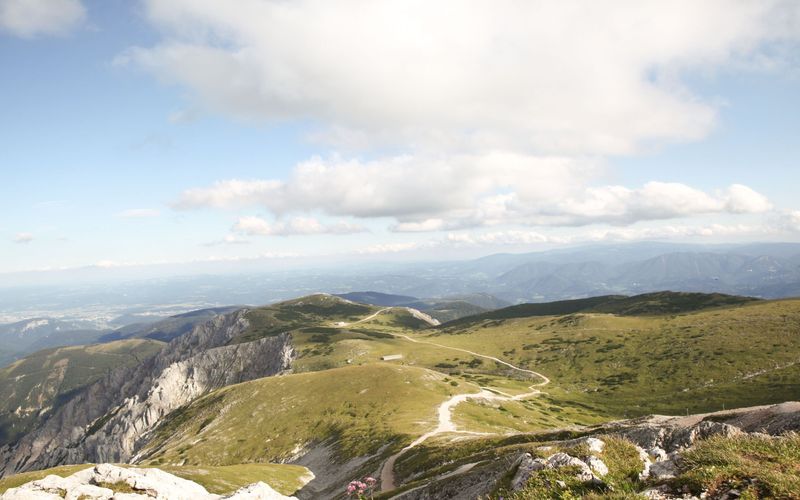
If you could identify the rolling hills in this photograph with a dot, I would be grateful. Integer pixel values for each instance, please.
(366, 383)
(443, 309)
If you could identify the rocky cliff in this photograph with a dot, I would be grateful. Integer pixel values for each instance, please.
(111, 419)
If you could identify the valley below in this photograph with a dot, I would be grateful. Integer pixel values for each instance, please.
(313, 393)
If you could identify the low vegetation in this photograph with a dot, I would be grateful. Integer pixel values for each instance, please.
(626, 366)
(314, 310)
(224, 480)
(756, 466)
(357, 409)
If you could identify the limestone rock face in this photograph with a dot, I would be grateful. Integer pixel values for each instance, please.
(145, 483)
(110, 420)
(665, 469)
(669, 437)
(597, 466)
(560, 460)
(526, 466)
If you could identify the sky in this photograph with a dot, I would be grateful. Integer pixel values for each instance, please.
(139, 132)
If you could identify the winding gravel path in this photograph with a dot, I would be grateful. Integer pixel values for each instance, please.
(445, 411)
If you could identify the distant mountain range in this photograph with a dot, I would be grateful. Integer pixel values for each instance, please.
(445, 290)
(767, 270)
(25, 337)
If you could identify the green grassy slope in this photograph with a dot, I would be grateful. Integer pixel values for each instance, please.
(631, 365)
(639, 305)
(358, 409)
(602, 366)
(314, 310)
(447, 310)
(34, 385)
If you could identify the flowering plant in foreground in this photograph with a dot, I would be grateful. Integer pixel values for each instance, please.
(362, 489)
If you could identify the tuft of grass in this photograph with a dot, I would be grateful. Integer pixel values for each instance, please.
(758, 466)
(224, 480)
(118, 487)
(623, 462)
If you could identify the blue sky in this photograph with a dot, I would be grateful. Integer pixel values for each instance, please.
(138, 132)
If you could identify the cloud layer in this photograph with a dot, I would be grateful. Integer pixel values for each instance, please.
(564, 77)
(29, 18)
(469, 191)
(256, 226)
(23, 238)
(504, 112)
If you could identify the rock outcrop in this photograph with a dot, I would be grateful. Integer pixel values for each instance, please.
(589, 469)
(660, 441)
(672, 436)
(110, 420)
(107, 482)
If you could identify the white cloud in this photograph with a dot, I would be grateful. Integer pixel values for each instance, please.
(227, 194)
(742, 199)
(408, 187)
(533, 239)
(669, 232)
(29, 18)
(229, 239)
(253, 226)
(139, 213)
(653, 201)
(503, 111)
(790, 221)
(566, 77)
(392, 248)
(433, 194)
(182, 116)
(504, 238)
(676, 232)
(23, 238)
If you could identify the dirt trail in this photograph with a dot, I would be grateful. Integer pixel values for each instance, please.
(445, 411)
(363, 320)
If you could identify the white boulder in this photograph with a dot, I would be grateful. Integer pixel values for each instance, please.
(146, 483)
(257, 491)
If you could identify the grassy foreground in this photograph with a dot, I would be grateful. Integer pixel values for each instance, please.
(757, 466)
(285, 479)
